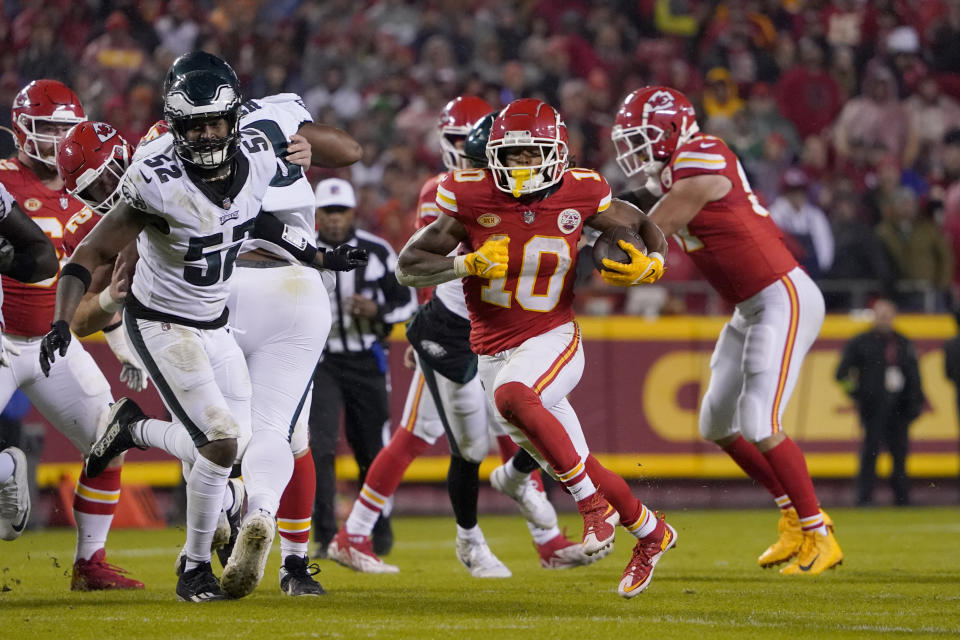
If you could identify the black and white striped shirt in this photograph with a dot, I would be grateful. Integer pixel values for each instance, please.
(377, 281)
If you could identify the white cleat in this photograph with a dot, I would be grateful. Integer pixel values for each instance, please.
(479, 560)
(533, 503)
(245, 568)
(560, 553)
(15, 498)
(356, 552)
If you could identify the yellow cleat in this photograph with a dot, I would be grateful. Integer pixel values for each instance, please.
(788, 544)
(817, 554)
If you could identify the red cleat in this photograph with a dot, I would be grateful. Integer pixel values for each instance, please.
(96, 574)
(646, 554)
(600, 522)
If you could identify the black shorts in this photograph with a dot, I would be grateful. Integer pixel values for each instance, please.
(441, 339)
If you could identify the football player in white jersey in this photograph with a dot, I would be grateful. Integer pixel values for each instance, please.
(281, 349)
(190, 200)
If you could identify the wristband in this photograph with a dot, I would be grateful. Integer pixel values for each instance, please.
(460, 266)
(79, 272)
(107, 303)
(657, 255)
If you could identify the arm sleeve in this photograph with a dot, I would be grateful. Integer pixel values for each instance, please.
(399, 301)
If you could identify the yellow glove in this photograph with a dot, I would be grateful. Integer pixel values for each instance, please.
(642, 269)
(489, 261)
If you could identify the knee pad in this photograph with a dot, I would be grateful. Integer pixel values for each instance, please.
(511, 398)
(758, 353)
(711, 427)
(749, 420)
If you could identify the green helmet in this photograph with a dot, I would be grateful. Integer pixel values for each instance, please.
(199, 61)
(475, 144)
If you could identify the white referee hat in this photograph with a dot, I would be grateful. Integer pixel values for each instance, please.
(334, 192)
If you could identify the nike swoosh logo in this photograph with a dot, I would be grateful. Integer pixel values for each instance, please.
(704, 145)
(145, 178)
(807, 567)
(20, 525)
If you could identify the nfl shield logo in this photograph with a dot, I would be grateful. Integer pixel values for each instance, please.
(64, 202)
(528, 217)
(227, 202)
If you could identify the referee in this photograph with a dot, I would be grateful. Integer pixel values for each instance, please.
(352, 378)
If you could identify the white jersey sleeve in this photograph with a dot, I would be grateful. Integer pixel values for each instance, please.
(290, 197)
(188, 249)
(6, 202)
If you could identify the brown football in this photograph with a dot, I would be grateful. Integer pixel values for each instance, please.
(606, 246)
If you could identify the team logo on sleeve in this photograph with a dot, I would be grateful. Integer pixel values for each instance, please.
(132, 197)
(32, 204)
(568, 220)
(488, 220)
(666, 177)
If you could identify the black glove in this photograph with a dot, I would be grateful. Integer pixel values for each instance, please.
(58, 339)
(345, 258)
(6, 255)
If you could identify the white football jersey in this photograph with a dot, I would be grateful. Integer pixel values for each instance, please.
(290, 197)
(187, 252)
(6, 204)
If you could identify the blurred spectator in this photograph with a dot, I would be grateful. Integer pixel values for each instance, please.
(177, 29)
(879, 371)
(759, 120)
(877, 115)
(932, 114)
(879, 198)
(334, 92)
(43, 58)
(947, 191)
(917, 247)
(811, 239)
(807, 94)
(858, 252)
(115, 56)
(765, 172)
(721, 100)
(945, 54)
(903, 51)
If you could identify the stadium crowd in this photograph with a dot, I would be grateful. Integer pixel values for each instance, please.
(846, 114)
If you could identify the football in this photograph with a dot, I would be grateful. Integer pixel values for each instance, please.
(606, 246)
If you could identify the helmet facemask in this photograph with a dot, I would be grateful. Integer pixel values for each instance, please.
(634, 147)
(30, 146)
(100, 188)
(526, 179)
(454, 158)
(206, 153)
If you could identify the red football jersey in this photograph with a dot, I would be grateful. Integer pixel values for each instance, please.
(537, 293)
(28, 308)
(77, 228)
(733, 241)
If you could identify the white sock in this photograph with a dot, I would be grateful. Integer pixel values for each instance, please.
(171, 437)
(291, 548)
(7, 466)
(542, 536)
(267, 467)
(362, 518)
(92, 530)
(473, 534)
(514, 475)
(204, 501)
(644, 525)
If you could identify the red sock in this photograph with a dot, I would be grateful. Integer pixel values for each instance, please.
(522, 408)
(98, 496)
(388, 467)
(788, 463)
(754, 464)
(615, 490)
(507, 447)
(296, 503)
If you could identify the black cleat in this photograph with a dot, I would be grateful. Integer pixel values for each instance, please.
(234, 516)
(199, 584)
(117, 437)
(296, 577)
(382, 536)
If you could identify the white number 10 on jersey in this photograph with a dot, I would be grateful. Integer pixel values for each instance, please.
(495, 291)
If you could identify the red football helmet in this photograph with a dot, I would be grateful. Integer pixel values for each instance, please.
(91, 161)
(455, 122)
(651, 123)
(47, 102)
(528, 123)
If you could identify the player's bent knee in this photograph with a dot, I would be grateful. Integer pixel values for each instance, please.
(511, 397)
(222, 452)
(711, 427)
(750, 420)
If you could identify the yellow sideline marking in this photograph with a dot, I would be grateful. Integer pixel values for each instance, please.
(634, 465)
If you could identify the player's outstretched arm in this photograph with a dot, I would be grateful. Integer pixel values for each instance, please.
(26, 254)
(685, 200)
(423, 261)
(115, 231)
(108, 290)
(331, 147)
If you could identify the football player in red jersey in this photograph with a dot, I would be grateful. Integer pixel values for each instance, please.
(519, 221)
(445, 395)
(77, 397)
(709, 207)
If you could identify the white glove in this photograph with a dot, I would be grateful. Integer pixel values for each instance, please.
(133, 374)
(7, 347)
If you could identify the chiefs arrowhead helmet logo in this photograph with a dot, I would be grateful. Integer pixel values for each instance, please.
(104, 131)
(661, 101)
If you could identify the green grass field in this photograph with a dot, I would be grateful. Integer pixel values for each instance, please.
(901, 577)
